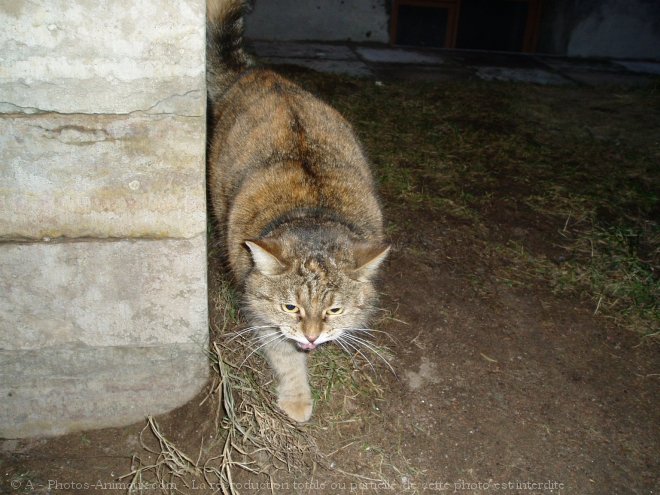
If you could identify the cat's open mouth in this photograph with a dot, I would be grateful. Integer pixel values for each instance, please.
(306, 347)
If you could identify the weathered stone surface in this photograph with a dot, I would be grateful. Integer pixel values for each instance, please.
(349, 67)
(57, 390)
(102, 144)
(399, 56)
(536, 76)
(615, 28)
(286, 49)
(101, 176)
(122, 293)
(102, 57)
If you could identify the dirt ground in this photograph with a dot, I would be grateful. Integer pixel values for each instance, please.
(500, 386)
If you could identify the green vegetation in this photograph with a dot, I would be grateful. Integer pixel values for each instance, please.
(582, 162)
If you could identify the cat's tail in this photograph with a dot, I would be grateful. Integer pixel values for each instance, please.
(224, 44)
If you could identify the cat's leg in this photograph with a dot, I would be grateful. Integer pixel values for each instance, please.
(294, 396)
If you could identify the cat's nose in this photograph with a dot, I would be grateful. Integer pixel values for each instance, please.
(311, 338)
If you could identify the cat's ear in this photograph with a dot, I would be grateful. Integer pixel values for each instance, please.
(267, 256)
(368, 257)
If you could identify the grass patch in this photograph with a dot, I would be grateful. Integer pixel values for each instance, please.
(582, 160)
(610, 269)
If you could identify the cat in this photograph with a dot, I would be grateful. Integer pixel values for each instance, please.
(300, 223)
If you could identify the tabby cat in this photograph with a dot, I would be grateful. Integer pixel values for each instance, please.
(294, 198)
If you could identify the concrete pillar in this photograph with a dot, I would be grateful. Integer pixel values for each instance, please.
(103, 306)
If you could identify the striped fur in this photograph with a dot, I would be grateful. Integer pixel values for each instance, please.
(224, 45)
(296, 206)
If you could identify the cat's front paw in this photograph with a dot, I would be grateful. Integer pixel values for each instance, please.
(298, 408)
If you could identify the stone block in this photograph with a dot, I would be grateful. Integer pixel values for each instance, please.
(57, 390)
(286, 49)
(121, 293)
(102, 57)
(354, 68)
(97, 334)
(399, 56)
(525, 75)
(101, 176)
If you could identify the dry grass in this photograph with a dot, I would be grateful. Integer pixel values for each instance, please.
(252, 435)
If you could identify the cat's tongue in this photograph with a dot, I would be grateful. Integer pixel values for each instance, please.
(307, 347)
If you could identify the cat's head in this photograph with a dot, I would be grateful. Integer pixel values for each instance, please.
(312, 293)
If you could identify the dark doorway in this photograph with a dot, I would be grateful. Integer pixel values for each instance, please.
(496, 25)
(492, 25)
(422, 26)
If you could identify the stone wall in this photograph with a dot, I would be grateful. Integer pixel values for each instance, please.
(103, 306)
(601, 28)
(575, 28)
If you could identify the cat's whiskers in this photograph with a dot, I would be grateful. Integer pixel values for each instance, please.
(369, 345)
(356, 349)
(257, 339)
(345, 349)
(243, 331)
(368, 331)
(272, 338)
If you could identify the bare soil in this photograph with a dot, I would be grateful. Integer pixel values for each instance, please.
(500, 386)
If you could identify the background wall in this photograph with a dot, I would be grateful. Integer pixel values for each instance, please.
(601, 28)
(103, 306)
(355, 20)
(580, 28)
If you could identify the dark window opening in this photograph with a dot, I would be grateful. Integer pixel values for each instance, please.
(492, 25)
(495, 25)
(422, 26)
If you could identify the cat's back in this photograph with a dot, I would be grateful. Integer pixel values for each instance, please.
(276, 148)
(264, 117)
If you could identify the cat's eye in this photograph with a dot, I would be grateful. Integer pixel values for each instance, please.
(290, 308)
(334, 311)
